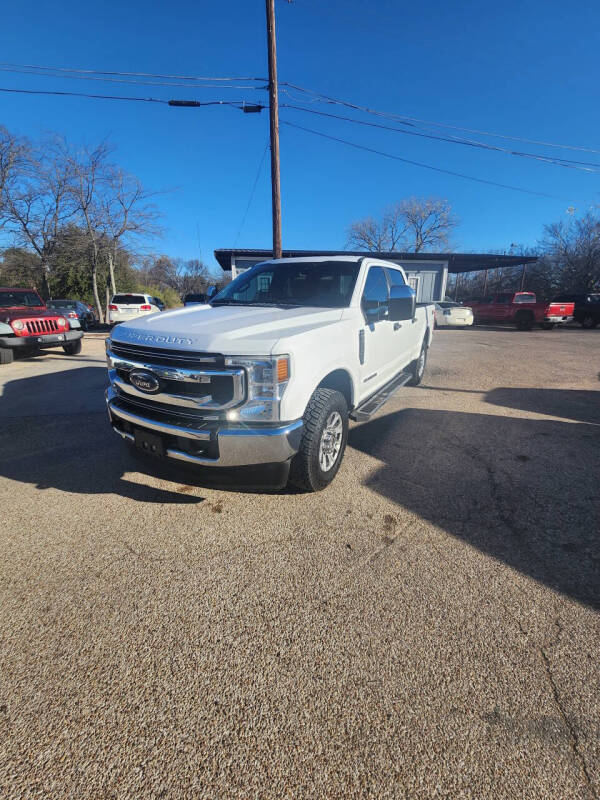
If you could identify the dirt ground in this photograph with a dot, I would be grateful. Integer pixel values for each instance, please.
(426, 627)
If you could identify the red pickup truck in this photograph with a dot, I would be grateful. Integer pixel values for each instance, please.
(522, 309)
(27, 325)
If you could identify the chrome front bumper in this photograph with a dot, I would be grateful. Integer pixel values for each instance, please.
(236, 446)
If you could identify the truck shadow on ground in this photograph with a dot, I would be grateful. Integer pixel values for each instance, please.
(580, 405)
(523, 491)
(56, 435)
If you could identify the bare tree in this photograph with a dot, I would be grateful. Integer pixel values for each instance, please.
(13, 153)
(88, 169)
(573, 251)
(126, 213)
(378, 235)
(413, 225)
(39, 202)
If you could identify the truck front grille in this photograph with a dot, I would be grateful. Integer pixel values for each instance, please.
(41, 325)
(170, 358)
(187, 384)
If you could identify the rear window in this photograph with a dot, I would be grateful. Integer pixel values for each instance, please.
(129, 299)
(524, 298)
(62, 304)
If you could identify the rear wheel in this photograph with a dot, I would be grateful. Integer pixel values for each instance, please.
(323, 441)
(524, 321)
(547, 326)
(6, 356)
(73, 348)
(588, 322)
(417, 368)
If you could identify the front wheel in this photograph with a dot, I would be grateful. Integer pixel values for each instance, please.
(588, 322)
(73, 348)
(6, 356)
(323, 442)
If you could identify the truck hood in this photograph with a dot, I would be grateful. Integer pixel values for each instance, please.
(8, 314)
(231, 330)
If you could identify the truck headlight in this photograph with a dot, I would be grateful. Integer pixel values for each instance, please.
(268, 377)
(18, 325)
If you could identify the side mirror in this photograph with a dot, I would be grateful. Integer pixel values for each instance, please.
(402, 304)
(211, 292)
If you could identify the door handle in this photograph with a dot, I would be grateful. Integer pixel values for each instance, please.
(397, 326)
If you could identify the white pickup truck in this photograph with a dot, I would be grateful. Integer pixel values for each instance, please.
(272, 368)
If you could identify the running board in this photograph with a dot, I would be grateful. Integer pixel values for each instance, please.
(372, 404)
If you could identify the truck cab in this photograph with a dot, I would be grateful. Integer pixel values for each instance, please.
(273, 368)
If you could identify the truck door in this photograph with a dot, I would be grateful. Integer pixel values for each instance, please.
(377, 334)
(408, 335)
(501, 308)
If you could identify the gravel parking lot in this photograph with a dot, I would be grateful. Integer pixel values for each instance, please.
(426, 627)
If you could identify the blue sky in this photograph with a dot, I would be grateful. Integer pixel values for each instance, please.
(522, 68)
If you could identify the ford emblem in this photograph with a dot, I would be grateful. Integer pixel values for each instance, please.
(144, 381)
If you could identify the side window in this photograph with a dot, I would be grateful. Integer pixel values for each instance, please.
(395, 277)
(376, 295)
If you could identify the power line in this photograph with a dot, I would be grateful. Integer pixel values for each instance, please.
(254, 185)
(234, 103)
(131, 74)
(585, 166)
(133, 82)
(406, 120)
(416, 163)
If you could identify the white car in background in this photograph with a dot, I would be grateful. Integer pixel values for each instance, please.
(451, 314)
(124, 307)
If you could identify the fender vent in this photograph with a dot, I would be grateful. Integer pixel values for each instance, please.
(361, 346)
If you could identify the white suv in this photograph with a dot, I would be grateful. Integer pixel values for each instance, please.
(124, 307)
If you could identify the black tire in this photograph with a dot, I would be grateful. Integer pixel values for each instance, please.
(547, 326)
(73, 348)
(84, 325)
(306, 470)
(524, 322)
(417, 368)
(6, 356)
(588, 322)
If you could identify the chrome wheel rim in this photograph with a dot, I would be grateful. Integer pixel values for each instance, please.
(331, 441)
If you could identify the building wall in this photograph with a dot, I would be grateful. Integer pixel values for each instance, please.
(428, 278)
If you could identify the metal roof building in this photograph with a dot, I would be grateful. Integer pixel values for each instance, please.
(427, 273)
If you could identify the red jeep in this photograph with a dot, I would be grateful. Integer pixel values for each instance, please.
(27, 325)
(522, 309)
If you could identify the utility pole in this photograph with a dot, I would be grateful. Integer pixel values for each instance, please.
(274, 125)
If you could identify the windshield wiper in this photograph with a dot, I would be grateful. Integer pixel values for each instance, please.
(256, 303)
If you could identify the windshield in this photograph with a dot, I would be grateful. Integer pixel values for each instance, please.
(324, 284)
(17, 299)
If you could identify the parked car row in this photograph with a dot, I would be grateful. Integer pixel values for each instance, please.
(520, 308)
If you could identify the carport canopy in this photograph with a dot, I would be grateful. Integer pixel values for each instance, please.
(457, 262)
